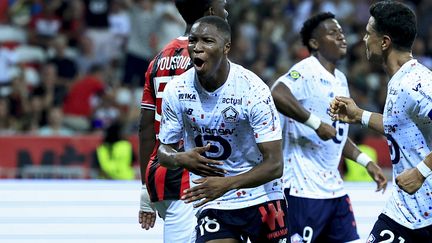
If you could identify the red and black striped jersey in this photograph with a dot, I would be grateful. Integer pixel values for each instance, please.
(172, 61)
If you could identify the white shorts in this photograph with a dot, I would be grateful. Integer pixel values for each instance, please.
(179, 220)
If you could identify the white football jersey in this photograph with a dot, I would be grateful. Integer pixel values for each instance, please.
(407, 119)
(233, 119)
(311, 164)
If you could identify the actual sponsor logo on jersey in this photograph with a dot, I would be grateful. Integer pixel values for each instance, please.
(213, 131)
(296, 238)
(230, 115)
(294, 75)
(187, 96)
(232, 101)
(370, 239)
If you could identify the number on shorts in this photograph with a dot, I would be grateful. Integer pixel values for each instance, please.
(209, 225)
(391, 237)
(307, 234)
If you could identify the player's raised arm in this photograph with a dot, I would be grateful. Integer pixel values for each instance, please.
(346, 110)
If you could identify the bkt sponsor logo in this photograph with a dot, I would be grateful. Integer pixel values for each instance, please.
(186, 96)
(207, 130)
(232, 101)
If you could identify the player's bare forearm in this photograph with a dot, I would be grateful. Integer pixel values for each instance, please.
(147, 140)
(428, 160)
(376, 123)
(346, 110)
(192, 160)
(287, 104)
(271, 167)
(167, 156)
(350, 150)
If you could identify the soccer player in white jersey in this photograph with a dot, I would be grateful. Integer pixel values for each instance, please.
(229, 123)
(406, 122)
(319, 208)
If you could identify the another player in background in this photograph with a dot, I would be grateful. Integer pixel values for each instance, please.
(232, 140)
(406, 122)
(164, 185)
(319, 207)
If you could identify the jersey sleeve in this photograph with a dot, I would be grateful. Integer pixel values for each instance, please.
(148, 101)
(171, 127)
(264, 117)
(297, 81)
(422, 99)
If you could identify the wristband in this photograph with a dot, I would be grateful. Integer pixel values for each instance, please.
(145, 203)
(424, 169)
(365, 118)
(363, 159)
(313, 122)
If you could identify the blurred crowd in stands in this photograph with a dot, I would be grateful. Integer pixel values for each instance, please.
(71, 67)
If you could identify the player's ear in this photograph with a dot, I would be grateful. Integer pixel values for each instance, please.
(385, 42)
(313, 43)
(227, 47)
(211, 11)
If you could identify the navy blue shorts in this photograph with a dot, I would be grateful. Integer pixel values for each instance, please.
(387, 230)
(260, 223)
(321, 220)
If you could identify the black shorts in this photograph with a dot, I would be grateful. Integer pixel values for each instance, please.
(260, 223)
(387, 230)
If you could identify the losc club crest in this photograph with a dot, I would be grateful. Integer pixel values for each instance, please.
(296, 238)
(370, 239)
(230, 115)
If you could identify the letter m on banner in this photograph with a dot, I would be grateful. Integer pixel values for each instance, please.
(273, 215)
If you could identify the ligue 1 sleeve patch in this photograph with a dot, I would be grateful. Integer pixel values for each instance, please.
(294, 75)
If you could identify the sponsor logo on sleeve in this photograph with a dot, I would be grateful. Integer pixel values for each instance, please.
(418, 87)
(294, 75)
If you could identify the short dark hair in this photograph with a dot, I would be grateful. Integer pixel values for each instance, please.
(220, 24)
(310, 25)
(191, 10)
(395, 20)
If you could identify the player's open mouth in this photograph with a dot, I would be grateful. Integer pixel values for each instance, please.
(198, 62)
